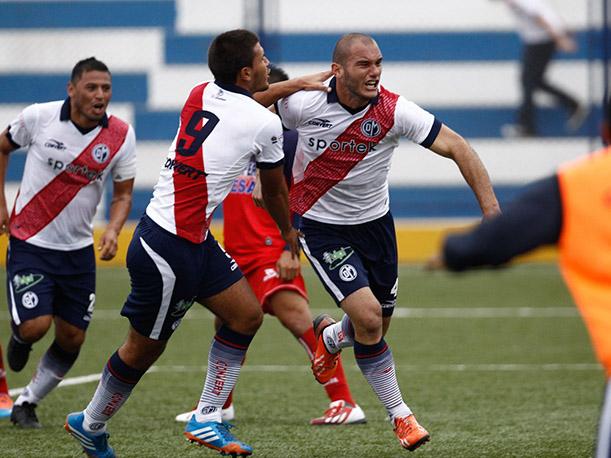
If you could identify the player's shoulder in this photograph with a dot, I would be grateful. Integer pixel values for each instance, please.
(46, 109)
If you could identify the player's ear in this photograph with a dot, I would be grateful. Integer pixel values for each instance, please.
(245, 73)
(70, 89)
(337, 69)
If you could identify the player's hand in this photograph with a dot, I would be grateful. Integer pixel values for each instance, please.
(314, 82)
(108, 244)
(288, 266)
(291, 237)
(435, 262)
(566, 43)
(4, 219)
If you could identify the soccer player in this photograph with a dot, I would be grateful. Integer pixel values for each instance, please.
(252, 239)
(346, 140)
(73, 146)
(6, 403)
(174, 261)
(570, 209)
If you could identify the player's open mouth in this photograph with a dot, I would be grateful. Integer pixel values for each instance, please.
(371, 85)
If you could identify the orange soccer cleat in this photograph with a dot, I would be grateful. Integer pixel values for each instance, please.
(324, 363)
(409, 432)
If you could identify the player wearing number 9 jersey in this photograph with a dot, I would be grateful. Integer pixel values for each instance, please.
(174, 261)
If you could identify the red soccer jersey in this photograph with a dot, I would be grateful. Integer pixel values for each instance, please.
(249, 231)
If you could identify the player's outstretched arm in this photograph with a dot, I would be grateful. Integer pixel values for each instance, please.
(276, 91)
(276, 198)
(5, 149)
(451, 145)
(119, 210)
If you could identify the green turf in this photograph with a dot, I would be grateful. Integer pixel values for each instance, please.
(446, 367)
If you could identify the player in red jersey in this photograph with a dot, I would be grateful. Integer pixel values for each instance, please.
(252, 238)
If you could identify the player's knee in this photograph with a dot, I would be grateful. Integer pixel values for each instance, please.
(71, 340)
(33, 330)
(368, 327)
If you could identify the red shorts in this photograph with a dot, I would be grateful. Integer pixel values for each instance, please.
(263, 279)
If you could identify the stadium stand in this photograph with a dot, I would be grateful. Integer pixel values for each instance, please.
(460, 62)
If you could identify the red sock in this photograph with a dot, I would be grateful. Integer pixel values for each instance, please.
(228, 401)
(3, 384)
(336, 388)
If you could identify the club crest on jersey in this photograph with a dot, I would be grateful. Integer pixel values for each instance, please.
(370, 128)
(100, 153)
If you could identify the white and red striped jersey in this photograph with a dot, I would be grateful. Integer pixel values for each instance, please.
(340, 173)
(64, 174)
(221, 128)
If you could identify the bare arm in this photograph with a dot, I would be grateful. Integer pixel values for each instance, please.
(451, 145)
(6, 147)
(119, 210)
(276, 198)
(282, 89)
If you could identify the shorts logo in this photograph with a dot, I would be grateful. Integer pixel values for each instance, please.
(182, 306)
(29, 300)
(370, 128)
(23, 282)
(176, 324)
(100, 153)
(269, 274)
(337, 257)
(347, 272)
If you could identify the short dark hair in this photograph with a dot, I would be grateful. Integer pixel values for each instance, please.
(230, 52)
(276, 74)
(87, 65)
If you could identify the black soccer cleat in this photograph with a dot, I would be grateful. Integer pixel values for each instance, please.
(17, 354)
(25, 417)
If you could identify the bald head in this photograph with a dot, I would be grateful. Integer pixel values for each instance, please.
(345, 43)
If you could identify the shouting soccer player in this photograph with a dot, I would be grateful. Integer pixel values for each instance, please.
(346, 140)
(252, 239)
(72, 146)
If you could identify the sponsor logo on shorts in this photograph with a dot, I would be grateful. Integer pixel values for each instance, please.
(347, 272)
(370, 128)
(24, 282)
(100, 153)
(269, 274)
(176, 324)
(337, 257)
(182, 306)
(29, 300)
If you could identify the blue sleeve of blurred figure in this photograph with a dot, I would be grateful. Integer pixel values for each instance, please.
(289, 146)
(533, 220)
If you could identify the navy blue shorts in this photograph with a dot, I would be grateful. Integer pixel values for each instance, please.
(41, 281)
(349, 257)
(168, 273)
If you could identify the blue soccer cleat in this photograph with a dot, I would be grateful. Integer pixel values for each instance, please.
(216, 436)
(94, 445)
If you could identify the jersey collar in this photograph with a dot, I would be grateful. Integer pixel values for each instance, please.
(333, 98)
(233, 88)
(64, 114)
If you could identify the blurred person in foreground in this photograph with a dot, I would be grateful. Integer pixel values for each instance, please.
(173, 259)
(340, 188)
(73, 147)
(252, 238)
(570, 209)
(6, 402)
(542, 32)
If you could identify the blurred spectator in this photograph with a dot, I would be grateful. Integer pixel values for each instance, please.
(542, 31)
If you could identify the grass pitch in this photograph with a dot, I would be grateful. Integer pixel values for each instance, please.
(494, 364)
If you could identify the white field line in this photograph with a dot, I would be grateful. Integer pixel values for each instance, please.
(405, 312)
(569, 367)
